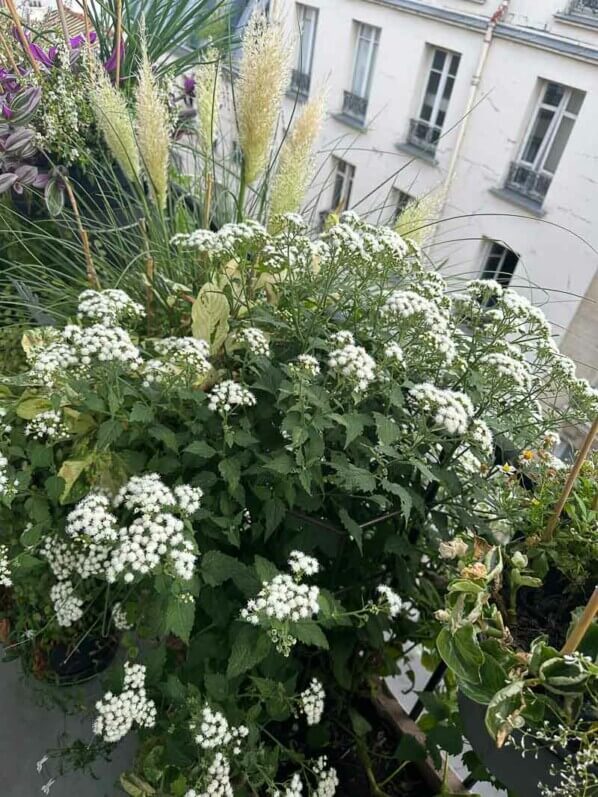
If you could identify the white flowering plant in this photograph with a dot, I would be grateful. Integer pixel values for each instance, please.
(257, 492)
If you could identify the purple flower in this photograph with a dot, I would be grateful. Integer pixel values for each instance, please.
(110, 64)
(189, 85)
(79, 41)
(6, 111)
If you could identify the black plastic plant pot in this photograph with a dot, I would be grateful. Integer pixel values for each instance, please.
(521, 774)
(67, 666)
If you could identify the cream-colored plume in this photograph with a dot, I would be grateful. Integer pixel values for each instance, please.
(153, 130)
(417, 219)
(115, 121)
(264, 73)
(296, 160)
(207, 97)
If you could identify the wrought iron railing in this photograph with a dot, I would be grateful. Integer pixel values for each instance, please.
(584, 7)
(528, 181)
(354, 106)
(423, 135)
(300, 82)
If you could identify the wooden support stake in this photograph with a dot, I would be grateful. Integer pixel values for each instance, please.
(149, 277)
(22, 37)
(119, 35)
(87, 26)
(9, 54)
(582, 625)
(63, 22)
(581, 457)
(92, 276)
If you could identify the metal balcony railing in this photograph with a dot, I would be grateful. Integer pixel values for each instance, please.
(300, 82)
(423, 135)
(354, 106)
(528, 182)
(589, 7)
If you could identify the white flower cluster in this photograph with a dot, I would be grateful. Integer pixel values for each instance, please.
(281, 599)
(481, 436)
(342, 338)
(327, 778)
(394, 353)
(303, 565)
(227, 241)
(102, 343)
(255, 340)
(228, 395)
(389, 600)
(219, 784)
(47, 426)
(215, 733)
(108, 307)
(188, 498)
(118, 713)
(3, 474)
(307, 364)
(451, 410)
(502, 366)
(119, 617)
(311, 701)
(190, 352)
(406, 304)
(354, 364)
(68, 606)
(5, 574)
(55, 359)
(293, 789)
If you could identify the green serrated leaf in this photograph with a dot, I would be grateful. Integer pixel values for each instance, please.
(250, 646)
(180, 615)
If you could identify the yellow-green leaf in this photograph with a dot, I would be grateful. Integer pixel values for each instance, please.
(210, 314)
(32, 407)
(70, 471)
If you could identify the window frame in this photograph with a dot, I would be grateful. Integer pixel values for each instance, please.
(444, 76)
(498, 270)
(371, 57)
(348, 178)
(560, 112)
(302, 10)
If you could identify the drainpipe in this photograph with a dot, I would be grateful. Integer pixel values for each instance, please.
(473, 92)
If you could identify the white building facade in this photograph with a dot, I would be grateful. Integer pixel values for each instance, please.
(498, 117)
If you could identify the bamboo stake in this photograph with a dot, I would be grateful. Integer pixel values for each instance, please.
(583, 453)
(63, 22)
(584, 622)
(21, 34)
(9, 54)
(92, 276)
(119, 33)
(208, 202)
(87, 26)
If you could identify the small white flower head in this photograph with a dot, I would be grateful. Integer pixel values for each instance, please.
(394, 354)
(5, 574)
(255, 340)
(311, 702)
(451, 410)
(453, 549)
(327, 778)
(119, 618)
(389, 601)
(68, 607)
(116, 714)
(213, 732)
(519, 560)
(228, 396)
(281, 599)
(108, 307)
(342, 338)
(102, 344)
(91, 520)
(52, 361)
(145, 495)
(188, 498)
(218, 778)
(353, 364)
(307, 364)
(303, 565)
(4, 478)
(294, 788)
(188, 353)
(47, 426)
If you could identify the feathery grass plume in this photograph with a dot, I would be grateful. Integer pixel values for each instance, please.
(153, 129)
(296, 160)
(207, 93)
(115, 121)
(418, 217)
(264, 72)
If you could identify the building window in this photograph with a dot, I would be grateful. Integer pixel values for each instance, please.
(425, 131)
(399, 201)
(587, 7)
(545, 141)
(307, 21)
(355, 102)
(344, 175)
(500, 264)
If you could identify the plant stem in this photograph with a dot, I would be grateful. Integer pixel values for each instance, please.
(87, 26)
(582, 625)
(92, 276)
(241, 197)
(149, 277)
(9, 54)
(583, 453)
(63, 22)
(207, 207)
(118, 39)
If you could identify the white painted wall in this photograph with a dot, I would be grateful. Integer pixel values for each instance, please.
(556, 266)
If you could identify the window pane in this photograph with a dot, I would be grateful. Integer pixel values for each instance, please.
(439, 59)
(537, 135)
(553, 94)
(575, 102)
(430, 96)
(508, 268)
(454, 64)
(559, 143)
